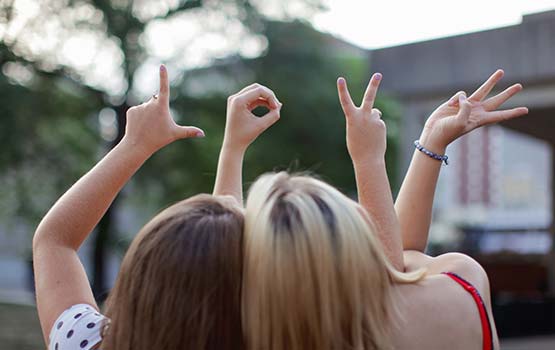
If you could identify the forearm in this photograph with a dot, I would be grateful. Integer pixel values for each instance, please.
(375, 197)
(78, 211)
(229, 175)
(415, 200)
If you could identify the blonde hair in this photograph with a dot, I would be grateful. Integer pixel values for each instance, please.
(314, 274)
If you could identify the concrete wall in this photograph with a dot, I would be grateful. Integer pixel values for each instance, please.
(423, 75)
(526, 51)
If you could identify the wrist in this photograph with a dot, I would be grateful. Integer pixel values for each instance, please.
(432, 143)
(441, 157)
(136, 149)
(233, 147)
(368, 160)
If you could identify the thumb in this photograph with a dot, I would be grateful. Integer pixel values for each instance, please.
(454, 101)
(464, 108)
(270, 118)
(183, 132)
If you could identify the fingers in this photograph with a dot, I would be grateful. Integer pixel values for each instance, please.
(486, 87)
(259, 102)
(499, 116)
(254, 94)
(270, 118)
(371, 91)
(183, 132)
(465, 107)
(164, 85)
(497, 100)
(369, 96)
(247, 88)
(344, 97)
(454, 101)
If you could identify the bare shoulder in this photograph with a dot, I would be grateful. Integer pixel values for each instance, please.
(440, 307)
(461, 264)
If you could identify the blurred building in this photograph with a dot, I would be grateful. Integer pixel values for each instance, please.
(495, 199)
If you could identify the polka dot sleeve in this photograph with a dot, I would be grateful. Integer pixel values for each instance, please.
(79, 327)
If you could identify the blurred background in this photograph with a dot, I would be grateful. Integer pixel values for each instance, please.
(71, 68)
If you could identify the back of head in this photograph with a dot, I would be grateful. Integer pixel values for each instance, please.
(179, 285)
(314, 274)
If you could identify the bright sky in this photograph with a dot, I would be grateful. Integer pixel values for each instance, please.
(374, 24)
(196, 37)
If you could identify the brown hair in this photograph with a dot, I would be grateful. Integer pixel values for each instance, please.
(179, 285)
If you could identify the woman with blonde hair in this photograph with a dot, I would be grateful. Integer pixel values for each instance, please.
(324, 272)
(179, 286)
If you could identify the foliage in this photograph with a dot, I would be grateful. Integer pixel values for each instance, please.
(301, 65)
(62, 61)
(38, 128)
(50, 104)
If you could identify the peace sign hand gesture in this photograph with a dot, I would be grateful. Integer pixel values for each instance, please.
(150, 125)
(461, 115)
(366, 131)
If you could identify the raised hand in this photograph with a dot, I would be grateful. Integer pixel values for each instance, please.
(366, 131)
(366, 142)
(150, 125)
(242, 126)
(241, 129)
(61, 280)
(454, 118)
(446, 124)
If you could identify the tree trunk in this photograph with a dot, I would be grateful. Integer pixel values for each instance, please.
(100, 253)
(106, 226)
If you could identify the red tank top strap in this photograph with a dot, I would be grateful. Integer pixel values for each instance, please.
(486, 325)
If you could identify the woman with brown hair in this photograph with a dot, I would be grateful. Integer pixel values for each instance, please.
(324, 272)
(180, 281)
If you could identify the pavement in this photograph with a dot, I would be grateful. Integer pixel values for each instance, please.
(20, 330)
(529, 343)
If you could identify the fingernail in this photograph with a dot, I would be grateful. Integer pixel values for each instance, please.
(341, 80)
(378, 76)
(162, 68)
(200, 133)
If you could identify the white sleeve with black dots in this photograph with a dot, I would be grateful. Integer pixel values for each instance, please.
(79, 327)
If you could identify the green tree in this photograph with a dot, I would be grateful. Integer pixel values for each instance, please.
(53, 105)
(301, 65)
(44, 80)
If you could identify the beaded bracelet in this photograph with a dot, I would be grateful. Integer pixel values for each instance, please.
(441, 158)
